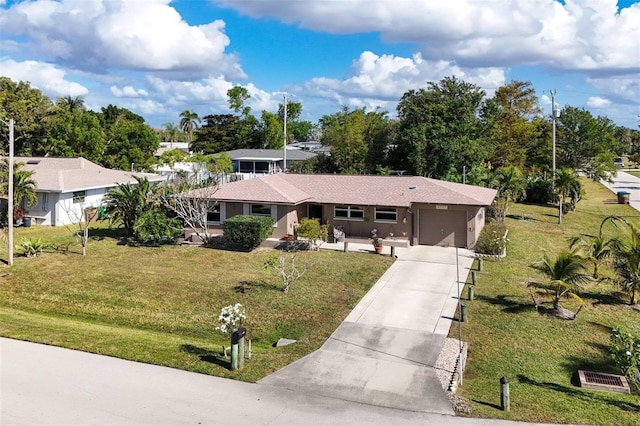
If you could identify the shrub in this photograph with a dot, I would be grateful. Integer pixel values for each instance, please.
(540, 190)
(313, 231)
(625, 351)
(155, 227)
(32, 247)
(248, 231)
(492, 239)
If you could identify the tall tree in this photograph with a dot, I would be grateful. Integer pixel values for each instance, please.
(130, 144)
(345, 133)
(218, 134)
(508, 122)
(30, 110)
(585, 142)
(171, 131)
(189, 122)
(71, 103)
(237, 96)
(75, 133)
(439, 129)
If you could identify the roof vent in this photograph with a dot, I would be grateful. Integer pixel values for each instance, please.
(413, 186)
(33, 161)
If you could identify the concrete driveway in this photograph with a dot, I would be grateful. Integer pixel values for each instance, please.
(384, 353)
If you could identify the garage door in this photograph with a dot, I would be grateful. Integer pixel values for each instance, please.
(446, 228)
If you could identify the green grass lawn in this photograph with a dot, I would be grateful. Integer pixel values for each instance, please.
(538, 354)
(160, 305)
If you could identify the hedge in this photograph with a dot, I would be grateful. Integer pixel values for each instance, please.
(248, 231)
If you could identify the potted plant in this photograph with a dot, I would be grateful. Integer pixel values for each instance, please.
(376, 240)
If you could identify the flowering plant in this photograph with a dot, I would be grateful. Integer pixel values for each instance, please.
(230, 317)
(625, 351)
(376, 239)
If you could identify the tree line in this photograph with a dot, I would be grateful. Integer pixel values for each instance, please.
(447, 130)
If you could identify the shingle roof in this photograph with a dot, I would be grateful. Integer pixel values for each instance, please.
(269, 154)
(54, 174)
(354, 190)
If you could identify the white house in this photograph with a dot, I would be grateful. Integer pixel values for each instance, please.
(64, 186)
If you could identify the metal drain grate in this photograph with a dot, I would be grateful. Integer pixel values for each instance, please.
(602, 381)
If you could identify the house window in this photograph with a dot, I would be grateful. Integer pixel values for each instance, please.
(213, 215)
(386, 214)
(79, 196)
(260, 210)
(348, 212)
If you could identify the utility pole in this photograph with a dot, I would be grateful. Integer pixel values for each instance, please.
(10, 193)
(284, 165)
(553, 130)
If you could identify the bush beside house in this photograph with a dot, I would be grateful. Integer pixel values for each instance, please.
(248, 231)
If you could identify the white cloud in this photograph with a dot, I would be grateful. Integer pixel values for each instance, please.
(380, 81)
(579, 35)
(101, 35)
(128, 92)
(46, 77)
(597, 102)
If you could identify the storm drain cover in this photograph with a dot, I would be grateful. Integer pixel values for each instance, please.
(602, 381)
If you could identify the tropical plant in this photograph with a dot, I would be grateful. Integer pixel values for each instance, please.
(171, 131)
(231, 317)
(625, 351)
(596, 247)
(510, 184)
(566, 273)
(189, 121)
(626, 258)
(127, 202)
(31, 247)
(567, 185)
(71, 103)
(155, 227)
(24, 186)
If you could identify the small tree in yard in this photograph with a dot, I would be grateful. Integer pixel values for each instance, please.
(81, 216)
(313, 231)
(192, 205)
(285, 265)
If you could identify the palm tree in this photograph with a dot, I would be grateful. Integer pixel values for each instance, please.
(626, 259)
(24, 186)
(567, 185)
(127, 202)
(566, 273)
(189, 121)
(597, 248)
(171, 131)
(511, 188)
(71, 104)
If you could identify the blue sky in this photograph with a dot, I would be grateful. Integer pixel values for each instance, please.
(160, 57)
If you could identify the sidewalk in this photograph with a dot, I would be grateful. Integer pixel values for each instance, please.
(624, 181)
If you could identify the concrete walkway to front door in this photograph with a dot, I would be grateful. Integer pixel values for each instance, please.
(384, 353)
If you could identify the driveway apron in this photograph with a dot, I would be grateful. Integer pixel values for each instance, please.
(385, 351)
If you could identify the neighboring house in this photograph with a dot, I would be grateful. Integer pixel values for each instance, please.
(425, 211)
(65, 185)
(258, 162)
(168, 146)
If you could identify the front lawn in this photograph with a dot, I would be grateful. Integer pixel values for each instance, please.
(160, 305)
(539, 355)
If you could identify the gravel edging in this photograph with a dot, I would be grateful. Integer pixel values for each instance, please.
(448, 370)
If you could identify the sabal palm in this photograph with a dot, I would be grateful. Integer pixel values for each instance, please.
(566, 274)
(189, 121)
(24, 186)
(567, 185)
(127, 202)
(171, 131)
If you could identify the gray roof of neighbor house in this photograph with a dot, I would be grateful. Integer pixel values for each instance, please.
(55, 174)
(269, 154)
(401, 191)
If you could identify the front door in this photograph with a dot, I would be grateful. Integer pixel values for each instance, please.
(315, 212)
